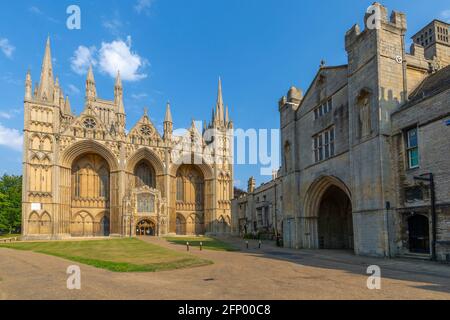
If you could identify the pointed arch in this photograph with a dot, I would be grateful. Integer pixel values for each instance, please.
(327, 213)
(47, 143)
(33, 223)
(205, 169)
(45, 226)
(148, 155)
(80, 148)
(180, 224)
(35, 142)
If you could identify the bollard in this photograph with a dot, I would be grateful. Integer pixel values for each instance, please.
(259, 245)
(246, 242)
(201, 246)
(187, 246)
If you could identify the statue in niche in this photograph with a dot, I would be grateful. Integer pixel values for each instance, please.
(287, 156)
(364, 114)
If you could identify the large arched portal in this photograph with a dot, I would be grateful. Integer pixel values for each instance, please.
(145, 227)
(335, 223)
(90, 190)
(190, 200)
(144, 174)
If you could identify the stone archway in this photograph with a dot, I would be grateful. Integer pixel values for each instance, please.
(106, 200)
(145, 227)
(180, 225)
(190, 198)
(327, 222)
(90, 193)
(335, 223)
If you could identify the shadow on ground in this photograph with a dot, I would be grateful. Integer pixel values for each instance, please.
(435, 274)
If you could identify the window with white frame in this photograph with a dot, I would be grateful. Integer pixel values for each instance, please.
(412, 148)
(323, 145)
(323, 109)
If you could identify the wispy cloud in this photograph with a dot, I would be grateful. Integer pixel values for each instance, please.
(143, 6)
(139, 96)
(9, 114)
(11, 138)
(35, 10)
(38, 12)
(82, 58)
(6, 47)
(73, 89)
(113, 23)
(9, 78)
(446, 15)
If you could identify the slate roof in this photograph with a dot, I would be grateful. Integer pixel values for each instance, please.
(432, 85)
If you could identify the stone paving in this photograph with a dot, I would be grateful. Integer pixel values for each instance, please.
(261, 274)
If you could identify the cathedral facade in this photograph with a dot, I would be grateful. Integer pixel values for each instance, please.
(85, 175)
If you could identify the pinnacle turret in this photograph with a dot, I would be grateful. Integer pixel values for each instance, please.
(45, 90)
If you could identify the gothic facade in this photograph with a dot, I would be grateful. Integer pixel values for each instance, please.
(359, 148)
(85, 175)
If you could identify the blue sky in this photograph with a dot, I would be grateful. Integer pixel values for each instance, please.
(176, 50)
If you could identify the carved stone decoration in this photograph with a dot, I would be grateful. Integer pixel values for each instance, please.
(363, 105)
(85, 169)
(147, 204)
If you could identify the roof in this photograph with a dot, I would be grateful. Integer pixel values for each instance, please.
(432, 85)
(428, 25)
(323, 68)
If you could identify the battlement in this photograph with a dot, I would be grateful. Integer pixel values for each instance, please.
(376, 17)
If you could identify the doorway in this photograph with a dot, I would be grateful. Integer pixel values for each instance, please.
(419, 234)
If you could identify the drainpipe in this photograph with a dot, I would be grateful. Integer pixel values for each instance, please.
(433, 217)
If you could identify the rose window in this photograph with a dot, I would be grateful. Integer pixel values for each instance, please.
(146, 131)
(89, 123)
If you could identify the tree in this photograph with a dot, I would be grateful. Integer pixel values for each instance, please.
(238, 192)
(10, 203)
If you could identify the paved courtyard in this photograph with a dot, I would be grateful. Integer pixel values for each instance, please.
(266, 273)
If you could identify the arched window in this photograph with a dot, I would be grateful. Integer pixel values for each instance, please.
(287, 156)
(180, 189)
(190, 185)
(104, 183)
(145, 175)
(90, 178)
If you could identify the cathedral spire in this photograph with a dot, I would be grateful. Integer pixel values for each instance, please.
(227, 117)
(91, 91)
(168, 123)
(67, 108)
(168, 117)
(56, 92)
(118, 80)
(45, 91)
(118, 94)
(219, 104)
(28, 86)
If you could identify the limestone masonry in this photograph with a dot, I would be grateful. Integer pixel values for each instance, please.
(84, 175)
(358, 149)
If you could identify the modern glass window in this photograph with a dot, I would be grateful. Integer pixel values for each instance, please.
(323, 109)
(323, 145)
(412, 148)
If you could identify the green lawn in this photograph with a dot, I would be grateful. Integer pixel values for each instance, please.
(208, 243)
(119, 255)
(3, 236)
